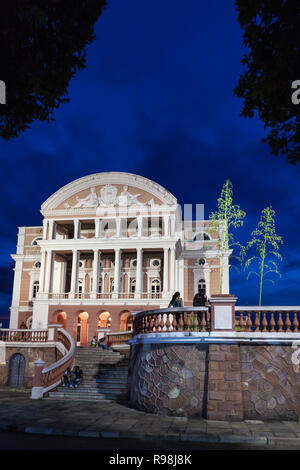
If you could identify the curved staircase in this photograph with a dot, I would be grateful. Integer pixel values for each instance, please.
(105, 375)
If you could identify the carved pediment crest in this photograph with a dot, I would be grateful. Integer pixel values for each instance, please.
(108, 196)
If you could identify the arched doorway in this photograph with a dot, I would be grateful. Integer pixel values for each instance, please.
(104, 320)
(16, 370)
(61, 317)
(126, 321)
(82, 329)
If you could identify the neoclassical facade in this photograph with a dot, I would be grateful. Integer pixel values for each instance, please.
(110, 244)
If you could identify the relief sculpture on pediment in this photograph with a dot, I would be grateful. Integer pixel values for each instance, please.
(107, 198)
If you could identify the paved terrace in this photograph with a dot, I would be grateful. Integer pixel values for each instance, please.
(110, 420)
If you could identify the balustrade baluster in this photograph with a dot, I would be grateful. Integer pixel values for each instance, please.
(156, 323)
(162, 322)
(264, 323)
(280, 322)
(174, 322)
(181, 322)
(257, 322)
(295, 323)
(203, 322)
(249, 322)
(272, 323)
(147, 323)
(287, 322)
(168, 323)
(151, 325)
(188, 321)
(241, 322)
(196, 322)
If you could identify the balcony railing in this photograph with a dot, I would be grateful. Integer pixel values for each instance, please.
(103, 295)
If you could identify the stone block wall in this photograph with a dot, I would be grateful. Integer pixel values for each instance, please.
(215, 381)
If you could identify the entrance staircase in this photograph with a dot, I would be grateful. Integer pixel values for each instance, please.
(105, 375)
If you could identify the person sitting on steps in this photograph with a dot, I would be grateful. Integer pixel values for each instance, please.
(77, 377)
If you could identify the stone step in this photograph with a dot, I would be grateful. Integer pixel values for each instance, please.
(76, 394)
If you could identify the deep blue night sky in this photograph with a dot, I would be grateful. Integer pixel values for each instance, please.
(156, 99)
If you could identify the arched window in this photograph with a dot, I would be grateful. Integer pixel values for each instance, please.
(37, 265)
(201, 236)
(80, 287)
(155, 288)
(132, 286)
(35, 241)
(104, 320)
(35, 289)
(201, 285)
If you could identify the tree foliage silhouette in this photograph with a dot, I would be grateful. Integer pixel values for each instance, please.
(43, 45)
(272, 63)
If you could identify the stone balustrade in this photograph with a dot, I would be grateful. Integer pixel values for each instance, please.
(204, 319)
(267, 319)
(118, 337)
(23, 335)
(172, 319)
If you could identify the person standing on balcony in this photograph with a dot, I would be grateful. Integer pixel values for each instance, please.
(176, 302)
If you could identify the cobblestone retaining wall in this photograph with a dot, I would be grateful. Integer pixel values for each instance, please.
(216, 381)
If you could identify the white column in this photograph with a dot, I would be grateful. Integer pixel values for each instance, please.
(140, 226)
(166, 225)
(166, 272)
(173, 225)
(48, 271)
(97, 228)
(96, 264)
(74, 275)
(139, 272)
(207, 281)
(172, 269)
(14, 312)
(51, 229)
(118, 226)
(45, 224)
(117, 272)
(76, 228)
(42, 271)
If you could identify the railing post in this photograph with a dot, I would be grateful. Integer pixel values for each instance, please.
(223, 312)
(52, 331)
(37, 389)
